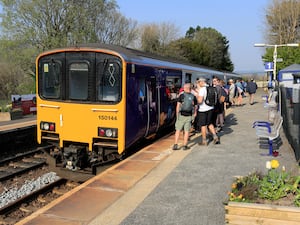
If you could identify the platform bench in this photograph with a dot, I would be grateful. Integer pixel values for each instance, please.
(269, 131)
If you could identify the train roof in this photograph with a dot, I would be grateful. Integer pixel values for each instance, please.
(140, 57)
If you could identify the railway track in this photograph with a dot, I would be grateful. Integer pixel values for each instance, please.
(23, 171)
(27, 184)
(23, 207)
(30, 196)
(22, 163)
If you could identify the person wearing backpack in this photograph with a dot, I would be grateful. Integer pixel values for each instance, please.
(185, 111)
(205, 111)
(251, 88)
(219, 116)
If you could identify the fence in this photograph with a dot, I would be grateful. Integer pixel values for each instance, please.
(290, 111)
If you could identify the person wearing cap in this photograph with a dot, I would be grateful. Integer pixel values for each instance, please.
(205, 114)
(251, 88)
(231, 92)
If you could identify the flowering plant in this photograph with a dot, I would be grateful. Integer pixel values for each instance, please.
(275, 185)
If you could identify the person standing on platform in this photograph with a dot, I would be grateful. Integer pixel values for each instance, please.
(205, 117)
(251, 88)
(185, 111)
(232, 92)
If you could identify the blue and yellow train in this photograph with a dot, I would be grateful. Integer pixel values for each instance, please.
(95, 101)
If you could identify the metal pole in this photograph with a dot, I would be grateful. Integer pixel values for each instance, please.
(274, 62)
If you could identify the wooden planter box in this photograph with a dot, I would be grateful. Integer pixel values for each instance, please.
(4, 116)
(16, 114)
(262, 214)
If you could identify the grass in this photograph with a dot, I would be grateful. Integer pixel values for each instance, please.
(4, 106)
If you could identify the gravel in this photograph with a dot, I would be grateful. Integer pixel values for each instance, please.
(11, 195)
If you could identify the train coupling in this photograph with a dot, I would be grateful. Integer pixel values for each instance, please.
(75, 157)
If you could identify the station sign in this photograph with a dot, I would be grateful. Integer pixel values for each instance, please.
(269, 66)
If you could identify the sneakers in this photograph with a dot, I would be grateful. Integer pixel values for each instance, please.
(216, 140)
(175, 147)
(185, 147)
(204, 143)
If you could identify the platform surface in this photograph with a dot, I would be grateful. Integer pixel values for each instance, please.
(11, 125)
(161, 186)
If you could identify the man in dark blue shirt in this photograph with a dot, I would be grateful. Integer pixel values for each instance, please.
(251, 88)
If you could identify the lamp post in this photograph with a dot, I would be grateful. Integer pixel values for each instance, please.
(275, 61)
(275, 52)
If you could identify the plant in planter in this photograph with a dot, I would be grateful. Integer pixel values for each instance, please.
(271, 198)
(275, 187)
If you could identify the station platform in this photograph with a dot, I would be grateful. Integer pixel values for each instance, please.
(161, 186)
(11, 125)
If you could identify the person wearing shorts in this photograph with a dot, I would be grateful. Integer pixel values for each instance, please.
(184, 120)
(205, 114)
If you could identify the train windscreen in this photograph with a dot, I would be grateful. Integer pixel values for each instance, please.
(80, 76)
(109, 81)
(51, 79)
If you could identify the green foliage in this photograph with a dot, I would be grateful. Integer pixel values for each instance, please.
(31, 27)
(5, 106)
(289, 56)
(282, 27)
(44, 24)
(274, 185)
(204, 46)
(296, 191)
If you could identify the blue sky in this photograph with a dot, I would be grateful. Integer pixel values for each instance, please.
(240, 21)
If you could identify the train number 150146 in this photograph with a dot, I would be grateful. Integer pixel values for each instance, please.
(106, 117)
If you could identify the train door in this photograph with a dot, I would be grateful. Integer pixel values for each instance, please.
(152, 106)
(188, 78)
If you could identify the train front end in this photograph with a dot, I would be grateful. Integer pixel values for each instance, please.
(81, 106)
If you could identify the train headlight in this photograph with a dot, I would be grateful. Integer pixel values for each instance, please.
(48, 126)
(45, 126)
(108, 132)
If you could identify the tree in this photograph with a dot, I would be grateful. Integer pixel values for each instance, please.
(205, 46)
(150, 38)
(202, 46)
(33, 26)
(282, 27)
(11, 82)
(283, 21)
(155, 38)
(48, 24)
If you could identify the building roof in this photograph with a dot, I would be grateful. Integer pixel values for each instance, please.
(291, 68)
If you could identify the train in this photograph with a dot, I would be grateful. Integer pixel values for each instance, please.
(95, 101)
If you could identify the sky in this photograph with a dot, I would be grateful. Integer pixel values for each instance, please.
(242, 22)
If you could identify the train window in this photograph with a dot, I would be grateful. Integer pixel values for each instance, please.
(78, 81)
(51, 79)
(109, 81)
(173, 84)
(188, 78)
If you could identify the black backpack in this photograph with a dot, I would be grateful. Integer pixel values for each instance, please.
(211, 96)
(225, 94)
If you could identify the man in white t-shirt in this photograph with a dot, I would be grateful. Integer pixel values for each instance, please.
(205, 114)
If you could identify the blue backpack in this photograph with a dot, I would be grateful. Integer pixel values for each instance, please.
(187, 105)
